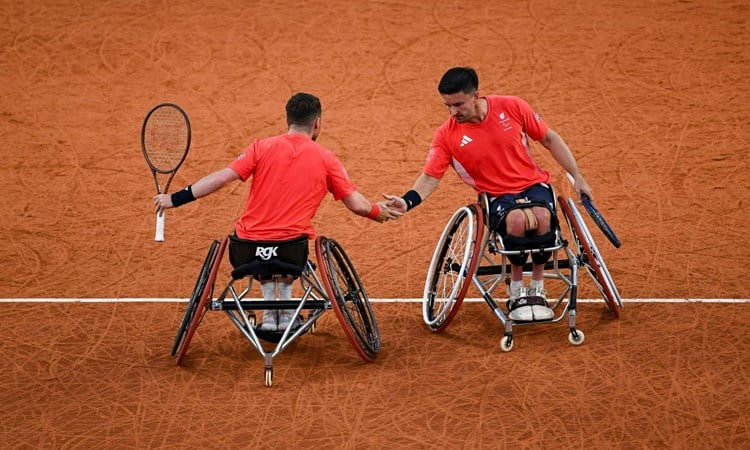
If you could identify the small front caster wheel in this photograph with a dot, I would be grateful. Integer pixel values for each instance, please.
(576, 337)
(506, 343)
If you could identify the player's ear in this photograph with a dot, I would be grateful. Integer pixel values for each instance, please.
(315, 131)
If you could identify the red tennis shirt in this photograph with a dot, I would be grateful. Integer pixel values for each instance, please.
(492, 156)
(291, 174)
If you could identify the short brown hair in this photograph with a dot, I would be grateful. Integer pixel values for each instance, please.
(302, 109)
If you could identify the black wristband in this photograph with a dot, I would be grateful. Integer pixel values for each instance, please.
(179, 198)
(412, 199)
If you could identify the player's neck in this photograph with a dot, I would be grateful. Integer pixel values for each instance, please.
(482, 108)
(307, 133)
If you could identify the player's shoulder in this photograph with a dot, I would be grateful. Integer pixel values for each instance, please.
(511, 104)
(505, 100)
(325, 154)
(447, 128)
(265, 143)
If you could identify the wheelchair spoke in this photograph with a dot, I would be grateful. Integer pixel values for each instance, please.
(348, 298)
(192, 305)
(352, 296)
(453, 264)
(589, 257)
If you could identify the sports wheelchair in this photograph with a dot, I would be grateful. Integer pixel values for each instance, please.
(339, 289)
(470, 250)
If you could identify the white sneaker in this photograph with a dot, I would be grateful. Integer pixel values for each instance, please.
(540, 311)
(536, 290)
(286, 316)
(514, 293)
(270, 320)
(518, 309)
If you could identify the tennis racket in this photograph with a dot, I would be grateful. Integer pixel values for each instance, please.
(165, 140)
(588, 204)
(597, 217)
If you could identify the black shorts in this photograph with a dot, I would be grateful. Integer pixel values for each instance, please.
(536, 195)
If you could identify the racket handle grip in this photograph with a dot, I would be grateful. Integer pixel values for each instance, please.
(159, 236)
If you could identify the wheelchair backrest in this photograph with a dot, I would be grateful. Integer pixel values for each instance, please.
(267, 258)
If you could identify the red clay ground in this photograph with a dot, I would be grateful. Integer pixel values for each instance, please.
(651, 96)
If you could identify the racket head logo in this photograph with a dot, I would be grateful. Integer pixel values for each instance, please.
(166, 135)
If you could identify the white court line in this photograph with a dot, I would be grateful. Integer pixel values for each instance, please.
(372, 300)
(597, 300)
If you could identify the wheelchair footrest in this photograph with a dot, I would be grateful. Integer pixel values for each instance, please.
(272, 335)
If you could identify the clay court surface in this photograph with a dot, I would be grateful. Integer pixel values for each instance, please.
(652, 97)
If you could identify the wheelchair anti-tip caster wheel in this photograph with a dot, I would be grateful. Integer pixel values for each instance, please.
(268, 375)
(576, 337)
(506, 343)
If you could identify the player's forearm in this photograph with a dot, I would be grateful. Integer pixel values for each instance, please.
(561, 153)
(213, 182)
(425, 185)
(423, 188)
(357, 203)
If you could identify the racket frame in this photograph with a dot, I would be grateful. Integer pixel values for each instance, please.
(597, 217)
(160, 217)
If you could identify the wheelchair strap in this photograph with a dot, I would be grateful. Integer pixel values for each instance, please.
(531, 222)
(263, 269)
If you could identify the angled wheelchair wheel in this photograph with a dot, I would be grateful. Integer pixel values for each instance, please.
(348, 298)
(192, 305)
(453, 265)
(590, 257)
(204, 292)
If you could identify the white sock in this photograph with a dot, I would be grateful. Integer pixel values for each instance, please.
(536, 284)
(285, 291)
(269, 290)
(515, 285)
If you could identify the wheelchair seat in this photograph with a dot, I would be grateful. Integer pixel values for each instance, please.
(260, 269)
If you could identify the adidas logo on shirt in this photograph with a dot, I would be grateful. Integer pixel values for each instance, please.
(465, 140)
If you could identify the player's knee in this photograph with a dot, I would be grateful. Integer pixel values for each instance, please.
(515, 222)
(543, 218)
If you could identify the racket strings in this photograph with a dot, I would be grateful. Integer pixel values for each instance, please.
(166, 138)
